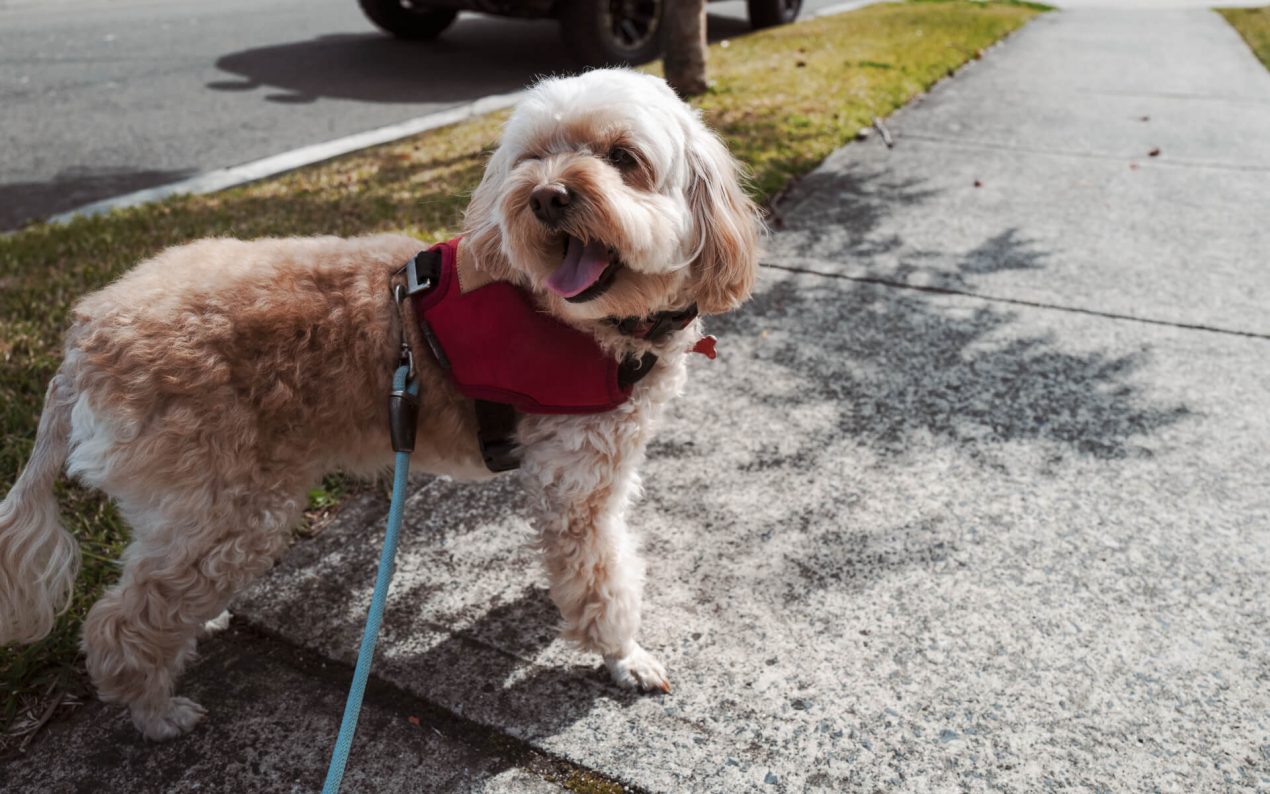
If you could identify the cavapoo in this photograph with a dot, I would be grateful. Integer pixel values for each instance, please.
(209, 388)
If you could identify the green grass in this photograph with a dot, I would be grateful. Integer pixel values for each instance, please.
(783, 99)
(1254, 25)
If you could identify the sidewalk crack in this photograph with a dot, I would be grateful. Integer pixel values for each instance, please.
(1019, 302)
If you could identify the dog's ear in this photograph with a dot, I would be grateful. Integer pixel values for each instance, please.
(727, 226)
(482, 234)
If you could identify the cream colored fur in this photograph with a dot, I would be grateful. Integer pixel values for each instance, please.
(211, 386)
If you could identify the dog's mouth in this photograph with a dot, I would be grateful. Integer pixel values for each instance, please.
(586, 271)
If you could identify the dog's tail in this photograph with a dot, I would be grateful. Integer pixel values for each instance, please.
(39, 559)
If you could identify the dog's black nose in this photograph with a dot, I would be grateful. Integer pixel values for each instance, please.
(550, 203)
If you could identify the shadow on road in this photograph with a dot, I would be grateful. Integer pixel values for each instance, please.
(72, 188)
(477, 57)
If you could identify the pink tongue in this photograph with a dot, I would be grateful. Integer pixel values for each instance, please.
(582, 267)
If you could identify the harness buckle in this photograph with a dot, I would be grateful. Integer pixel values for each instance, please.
(422, 270)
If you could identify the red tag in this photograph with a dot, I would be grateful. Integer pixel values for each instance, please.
(705, 346)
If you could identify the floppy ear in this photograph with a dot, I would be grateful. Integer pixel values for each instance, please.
(726, 224)
(481, 232)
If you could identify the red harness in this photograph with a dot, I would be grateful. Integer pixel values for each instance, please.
(498, 346)
(507, 355)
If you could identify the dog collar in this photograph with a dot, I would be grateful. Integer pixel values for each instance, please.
(659, 325)
(655, 327)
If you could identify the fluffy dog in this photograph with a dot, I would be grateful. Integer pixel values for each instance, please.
(206, 390)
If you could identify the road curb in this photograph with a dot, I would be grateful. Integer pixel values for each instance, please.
(225, 178)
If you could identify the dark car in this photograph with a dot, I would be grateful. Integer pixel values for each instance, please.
(598, 31)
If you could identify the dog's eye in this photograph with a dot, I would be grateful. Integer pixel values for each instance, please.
(622, 158)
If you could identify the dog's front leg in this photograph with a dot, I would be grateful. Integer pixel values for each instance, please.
(584, 469)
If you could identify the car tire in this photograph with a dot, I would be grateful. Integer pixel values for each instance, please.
(414, 21)
(770, 13)
(613, 32)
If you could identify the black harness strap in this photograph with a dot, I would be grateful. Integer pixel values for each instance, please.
(495, 428)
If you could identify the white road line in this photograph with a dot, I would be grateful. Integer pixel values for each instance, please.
(224, 178)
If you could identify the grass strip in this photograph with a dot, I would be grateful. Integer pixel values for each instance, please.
(783, 99)
(1254, 25)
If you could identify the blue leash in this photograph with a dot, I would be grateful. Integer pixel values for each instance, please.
(339, 757)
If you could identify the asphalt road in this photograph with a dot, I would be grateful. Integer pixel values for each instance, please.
(103, 97)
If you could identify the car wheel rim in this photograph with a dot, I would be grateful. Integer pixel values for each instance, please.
(633, 23)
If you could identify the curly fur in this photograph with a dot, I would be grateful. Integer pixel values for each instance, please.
(210, 387)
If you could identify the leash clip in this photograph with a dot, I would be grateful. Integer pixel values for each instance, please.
(403, 404)
(403, 400)
(407, 359)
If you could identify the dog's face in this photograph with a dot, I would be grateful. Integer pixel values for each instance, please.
(609, 196)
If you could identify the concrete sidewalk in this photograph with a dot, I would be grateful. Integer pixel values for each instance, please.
(976, 497)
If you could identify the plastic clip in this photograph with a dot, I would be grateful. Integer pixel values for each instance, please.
(403, 420)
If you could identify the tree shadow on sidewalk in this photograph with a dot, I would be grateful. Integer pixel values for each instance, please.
(845, 228)
(462, 632)
(506, 688)
(855, 231)
(866, 375)
(273, 715)
(896, 363)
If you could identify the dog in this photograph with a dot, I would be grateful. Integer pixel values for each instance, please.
(210, 387)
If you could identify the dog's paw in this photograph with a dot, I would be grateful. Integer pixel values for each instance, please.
(638, 670)
(178, 716)
(216, 624)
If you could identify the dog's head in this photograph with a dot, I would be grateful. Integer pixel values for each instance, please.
(609, 196)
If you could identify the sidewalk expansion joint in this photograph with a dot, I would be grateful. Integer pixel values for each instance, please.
(1020, 302)
(1233, 98)
(515, 752)
(1001, 146)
